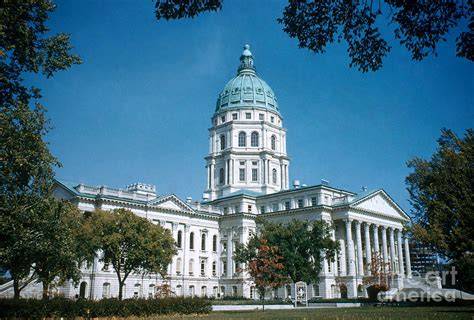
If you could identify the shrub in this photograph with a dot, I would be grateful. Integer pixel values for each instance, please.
(60, 307)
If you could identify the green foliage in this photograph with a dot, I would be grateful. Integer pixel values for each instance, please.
(442, 199)
(130, 243)
(26, 173)
(60, 307)
(177, 9)
(303, 246)
(418, 25)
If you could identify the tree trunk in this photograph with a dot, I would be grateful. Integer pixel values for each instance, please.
(45, 290)
(120, 290)
(16, 289)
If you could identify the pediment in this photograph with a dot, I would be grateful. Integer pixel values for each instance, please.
(382, 203)
(171, 202)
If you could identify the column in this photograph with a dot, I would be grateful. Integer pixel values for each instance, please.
(360, 261)
(400, 253)
(384, 248)
(211, 176)
(407, 257)
(368, 252)
(350, 248)
(392, 251)
(226, 172)
(376, 246)
(230, 263)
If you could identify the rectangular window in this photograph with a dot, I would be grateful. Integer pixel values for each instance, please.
(272, 119)
(300, 203)
(242, 163)
(287, 205)
(223, 119)
(242, 174)
(248, 115)
(254, 175)
(224, 268)
(275, 207)
(314, 201)
(261, 116)
(254, 163)
(249, 208)
(224, 246)
(225, 210)
(234, 116)
(236, 209)
(262, 209)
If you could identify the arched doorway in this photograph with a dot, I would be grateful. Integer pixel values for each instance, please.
(82, 290)
(343, 290)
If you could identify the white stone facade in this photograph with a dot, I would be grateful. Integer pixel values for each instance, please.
(246, 179)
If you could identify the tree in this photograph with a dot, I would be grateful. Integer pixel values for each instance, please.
(443, 203)
(130, 243)
(418, 25)
(380, 276)
(264, 265)
(26, 173)
(303, 246)
(59, 248)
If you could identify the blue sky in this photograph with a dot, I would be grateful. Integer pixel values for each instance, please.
(139, 107)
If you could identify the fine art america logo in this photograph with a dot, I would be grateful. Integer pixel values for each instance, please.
(424, 288)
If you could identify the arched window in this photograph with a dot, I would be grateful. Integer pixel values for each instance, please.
(191, 291)
(191, 266)
(178, 266)
(273, 142)
(179, 240)
(106, 290)
(82, 289)
(214, 243)
(274, 176)
(136, 290)
(221, 175)
(203, 291)
(254, 139)
(151, 291)
(203, 267)
(179, 290)
(222, 142)
(242, 139)
(191, 241)
(203, 242)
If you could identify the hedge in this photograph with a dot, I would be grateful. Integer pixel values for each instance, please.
(60, 307)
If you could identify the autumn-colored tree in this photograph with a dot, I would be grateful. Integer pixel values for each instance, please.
(380, 276)
(263, 264)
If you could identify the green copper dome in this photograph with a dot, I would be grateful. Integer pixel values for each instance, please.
(246, 90)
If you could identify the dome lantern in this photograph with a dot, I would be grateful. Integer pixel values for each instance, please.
(246, 60)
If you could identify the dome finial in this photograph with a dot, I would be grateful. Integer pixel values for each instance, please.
(246, 60)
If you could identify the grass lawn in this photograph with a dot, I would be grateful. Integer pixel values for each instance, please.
(444, 313)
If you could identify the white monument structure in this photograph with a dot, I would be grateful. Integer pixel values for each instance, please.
(247, 177)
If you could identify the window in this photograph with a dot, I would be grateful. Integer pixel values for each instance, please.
(106, 290)
(287, 205)
(178, 266)
(314, 201)
(274, 176)
(273, 142)
(214, 268)
(254, 174)
(191, 291)
(224, 246)
(242, 139)
(316, 290)
(249, 208)
(234, 291)
(241, 174)
(234, 116)
(226, 210)
(179, 240)
(221, 175)
(254, 139)
(242, 163)
(203, 242)
(272, 119)
(191, 266)
(223, 119)
(248, 115)
(151, 291)
(254, 163)
(262, 209)
(203, 291)
(222, 138)
(179, 290)
(300, 203)
(237, 267)
(224, 268)
(136, 291)
(236, 209)
(214, 243)
(203, 267)
(191, 241)
(261, 116)
(275, 207)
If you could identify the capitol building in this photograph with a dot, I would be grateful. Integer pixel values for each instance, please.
(247, 177)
